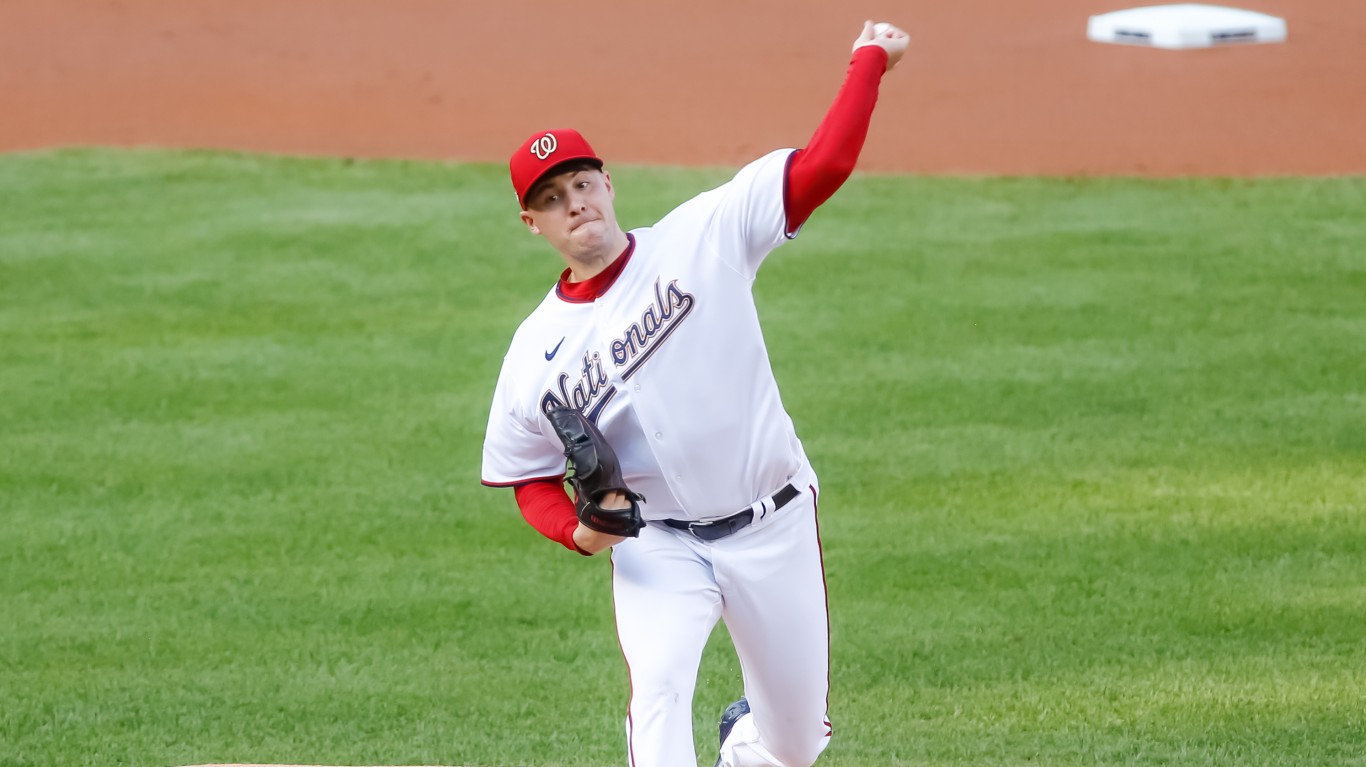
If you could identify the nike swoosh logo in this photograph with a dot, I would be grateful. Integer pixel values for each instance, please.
(550, 355)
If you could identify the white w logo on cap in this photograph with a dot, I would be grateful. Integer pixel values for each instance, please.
(544, 146)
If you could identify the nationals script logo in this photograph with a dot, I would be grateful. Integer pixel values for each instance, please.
(639, 341)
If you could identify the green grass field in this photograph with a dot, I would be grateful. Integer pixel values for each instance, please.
(1093, 457)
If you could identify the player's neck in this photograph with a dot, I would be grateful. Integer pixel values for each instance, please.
(588, 266)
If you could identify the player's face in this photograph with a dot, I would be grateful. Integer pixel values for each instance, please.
(573, 211)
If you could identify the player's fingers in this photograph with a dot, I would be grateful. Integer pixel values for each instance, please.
(865, 37)
(615, 501)
(896, 48)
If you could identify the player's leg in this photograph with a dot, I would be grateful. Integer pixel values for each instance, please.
(667, 604)
(774, 605)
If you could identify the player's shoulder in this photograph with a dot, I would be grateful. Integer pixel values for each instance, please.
(778, 156)
(769, 168)
(677, 233)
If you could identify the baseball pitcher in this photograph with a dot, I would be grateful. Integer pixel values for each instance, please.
(642, 380)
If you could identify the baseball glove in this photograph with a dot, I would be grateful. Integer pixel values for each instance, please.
(596, 472)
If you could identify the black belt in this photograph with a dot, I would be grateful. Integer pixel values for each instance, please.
(720, 528)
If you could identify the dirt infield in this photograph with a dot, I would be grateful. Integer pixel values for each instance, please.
(989, 86)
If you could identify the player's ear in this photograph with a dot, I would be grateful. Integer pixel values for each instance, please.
(530, 222)
(611, 190)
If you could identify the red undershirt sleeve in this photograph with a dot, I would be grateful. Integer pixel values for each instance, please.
(547, 507)
(815, 172)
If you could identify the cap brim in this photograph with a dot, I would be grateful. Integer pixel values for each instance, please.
(555, 169)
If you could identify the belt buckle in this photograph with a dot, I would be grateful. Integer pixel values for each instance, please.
(706, 531)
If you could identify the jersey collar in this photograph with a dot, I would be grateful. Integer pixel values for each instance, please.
(594, 287)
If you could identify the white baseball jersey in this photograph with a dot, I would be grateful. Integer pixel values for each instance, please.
(669, 362)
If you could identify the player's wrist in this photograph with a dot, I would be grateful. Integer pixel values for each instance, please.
(590, 542)
(874, 57)
(871, 49)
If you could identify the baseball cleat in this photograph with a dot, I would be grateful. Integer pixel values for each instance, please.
(729, 717)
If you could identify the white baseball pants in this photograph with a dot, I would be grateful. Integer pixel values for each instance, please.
(767, 582)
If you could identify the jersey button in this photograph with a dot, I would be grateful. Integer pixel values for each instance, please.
(659, 435)
(637, 387)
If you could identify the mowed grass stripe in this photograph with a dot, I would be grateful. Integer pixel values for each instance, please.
(1092, 456)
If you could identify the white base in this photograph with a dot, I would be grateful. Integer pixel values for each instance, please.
(1185, 25)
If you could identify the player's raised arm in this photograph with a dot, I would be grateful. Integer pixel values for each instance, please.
(828, 159)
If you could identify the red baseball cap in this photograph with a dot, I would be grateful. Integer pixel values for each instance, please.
(541, 153)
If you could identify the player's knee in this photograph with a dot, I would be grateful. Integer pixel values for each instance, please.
(658, 698)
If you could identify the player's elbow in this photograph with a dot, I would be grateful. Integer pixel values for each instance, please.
(832, 175)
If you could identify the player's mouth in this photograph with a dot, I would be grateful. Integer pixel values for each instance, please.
(576, 226)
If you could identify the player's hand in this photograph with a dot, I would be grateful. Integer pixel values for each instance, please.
(592, 541)
(892, 40)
